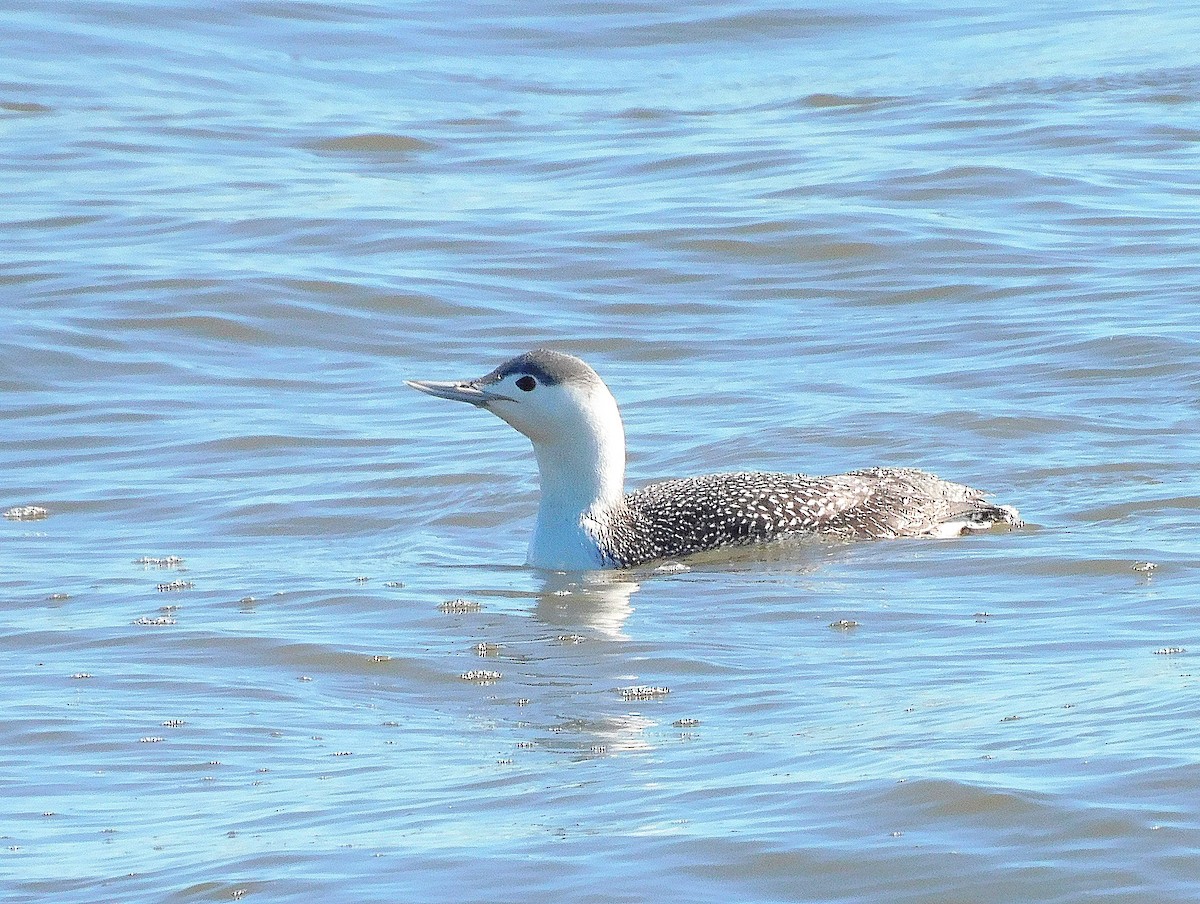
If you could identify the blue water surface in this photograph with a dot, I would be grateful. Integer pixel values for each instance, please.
(956, 238)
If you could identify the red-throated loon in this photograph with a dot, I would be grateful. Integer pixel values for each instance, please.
(586, 520)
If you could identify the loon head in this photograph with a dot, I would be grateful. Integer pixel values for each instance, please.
(552, 398)
(570, 416)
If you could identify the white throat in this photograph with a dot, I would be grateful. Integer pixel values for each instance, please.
(582, 471)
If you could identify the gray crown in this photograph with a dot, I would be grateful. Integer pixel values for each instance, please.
(547, 367)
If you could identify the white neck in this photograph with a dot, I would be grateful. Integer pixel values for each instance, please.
(582, 474)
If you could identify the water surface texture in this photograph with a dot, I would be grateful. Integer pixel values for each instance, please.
(790, 238)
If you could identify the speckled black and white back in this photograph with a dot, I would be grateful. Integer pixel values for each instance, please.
(681, 517)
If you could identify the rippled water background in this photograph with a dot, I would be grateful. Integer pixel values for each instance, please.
(810, 239)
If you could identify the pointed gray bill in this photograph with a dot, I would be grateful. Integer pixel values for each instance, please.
(455, 392)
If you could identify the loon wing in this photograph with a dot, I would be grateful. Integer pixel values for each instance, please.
(681, 517)
(906, 502)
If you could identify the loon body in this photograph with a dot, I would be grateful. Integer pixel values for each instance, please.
(586, 520)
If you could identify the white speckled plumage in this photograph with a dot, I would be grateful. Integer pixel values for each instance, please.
(585, 519)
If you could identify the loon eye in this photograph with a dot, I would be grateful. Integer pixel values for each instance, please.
(526, 383)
